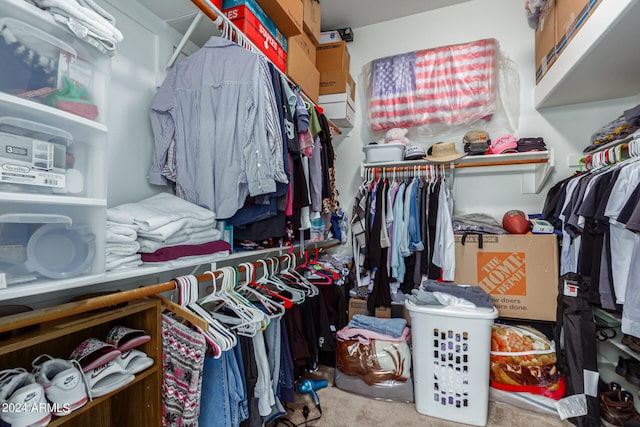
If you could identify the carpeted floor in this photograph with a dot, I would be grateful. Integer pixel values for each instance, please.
(340, 408)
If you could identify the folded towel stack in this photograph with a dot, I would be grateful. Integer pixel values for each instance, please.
(166, 221)
(121, 246)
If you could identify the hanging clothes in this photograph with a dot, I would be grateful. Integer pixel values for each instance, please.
(222, 155)
(183, 359)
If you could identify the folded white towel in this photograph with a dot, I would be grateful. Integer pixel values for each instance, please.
(178, 229)
(149, 246)
(119, 249)
(85, 16)
(119, 216)
(120, 234)
(123, 262)
(164, 208)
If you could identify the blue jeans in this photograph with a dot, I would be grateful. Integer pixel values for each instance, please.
(222, 392)
(393, 326)
(272, 337)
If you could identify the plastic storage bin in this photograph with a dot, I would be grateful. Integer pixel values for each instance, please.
(57, 242)
(50, 67)
(451, 347)
(379, 153)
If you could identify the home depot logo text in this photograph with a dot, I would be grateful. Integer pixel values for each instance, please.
(502, 273)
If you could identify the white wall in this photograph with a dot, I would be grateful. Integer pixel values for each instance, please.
(566, 129)
(136, 70)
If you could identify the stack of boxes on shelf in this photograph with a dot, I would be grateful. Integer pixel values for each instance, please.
(337, 87)
(288, 33)
(301, 64)
(558, 23)
(259, 28)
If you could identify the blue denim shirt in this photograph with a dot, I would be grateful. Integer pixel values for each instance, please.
(212, 105)
(415, 236)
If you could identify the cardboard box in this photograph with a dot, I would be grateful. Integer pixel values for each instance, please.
(349, 92)
(359, 306)
(338, 81)
(570, 17)
(304, 43)
(239, 9)
(287, 14)
(253, 29)
(520, 272)
(342, 114)
(333, 57)
(545, 39)
(330, 37)
(303, 72)
(311, 19)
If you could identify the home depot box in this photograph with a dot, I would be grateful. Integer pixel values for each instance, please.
(238, 9)
(333, 57)
(287, 14)
(311, 19)
(545, 39)
(570, 17)
(302, 71)
(359, 306)
(305, 44)
(253, 29)
(519, 271)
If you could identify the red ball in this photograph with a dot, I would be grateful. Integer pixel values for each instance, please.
(516, 222)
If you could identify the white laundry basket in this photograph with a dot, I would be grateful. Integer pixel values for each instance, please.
(451, 348)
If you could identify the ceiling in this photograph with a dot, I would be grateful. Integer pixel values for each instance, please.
(335, 13)
(358, 13)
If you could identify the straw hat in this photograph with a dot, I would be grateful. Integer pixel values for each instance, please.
(443, 152)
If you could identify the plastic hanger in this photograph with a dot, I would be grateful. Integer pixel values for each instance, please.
(246, 319)
(290, 272)
(216, 333)
(297, 295)
(273, 305)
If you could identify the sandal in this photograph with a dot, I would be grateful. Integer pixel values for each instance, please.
(93, 353)
(134, 361)
(124, 338)
(107, 378)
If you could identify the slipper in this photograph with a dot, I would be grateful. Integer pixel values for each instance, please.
(124, 338)
(107, 378)
(134, 361)
(93, 353)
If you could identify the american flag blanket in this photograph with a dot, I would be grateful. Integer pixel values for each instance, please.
(449, 85)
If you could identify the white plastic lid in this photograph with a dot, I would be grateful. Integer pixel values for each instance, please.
(452, 311)
(59, 252)
(33, 218)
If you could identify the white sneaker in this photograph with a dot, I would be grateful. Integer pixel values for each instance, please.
(22, 399)
(63, 383)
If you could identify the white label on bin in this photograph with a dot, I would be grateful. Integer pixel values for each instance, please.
(20, 175)
(570, 288)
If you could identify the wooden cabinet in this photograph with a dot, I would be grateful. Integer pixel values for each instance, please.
(136, 404)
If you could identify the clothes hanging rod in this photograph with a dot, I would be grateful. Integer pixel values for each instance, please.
(48, 314)
(456, 165)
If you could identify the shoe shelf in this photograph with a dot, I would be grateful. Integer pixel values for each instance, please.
(135, 404)
(607, 370)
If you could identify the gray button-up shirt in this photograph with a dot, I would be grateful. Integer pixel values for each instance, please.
(212, 105)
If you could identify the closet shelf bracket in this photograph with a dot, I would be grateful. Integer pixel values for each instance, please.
(185, 38)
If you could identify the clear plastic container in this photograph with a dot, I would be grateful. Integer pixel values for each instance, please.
(59, 244)
(51, 69)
